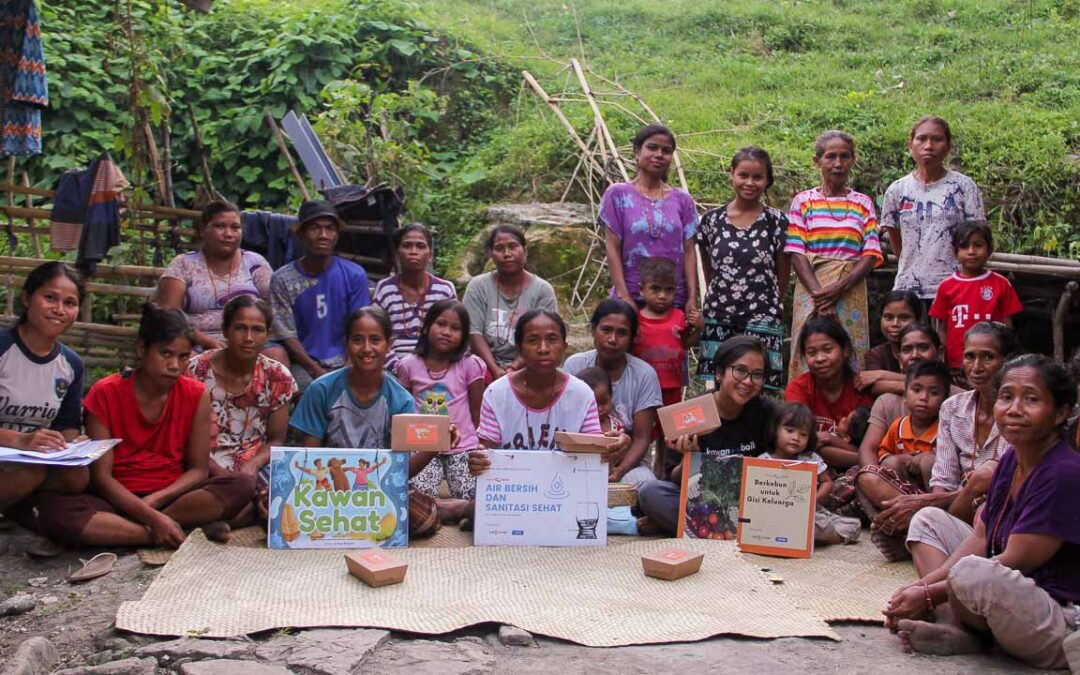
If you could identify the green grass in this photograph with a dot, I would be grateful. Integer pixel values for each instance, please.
(777, 74)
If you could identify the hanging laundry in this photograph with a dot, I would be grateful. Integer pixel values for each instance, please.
(101, 226)
(23, 87)
(271, 234)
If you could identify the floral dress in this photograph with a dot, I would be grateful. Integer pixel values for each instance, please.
(743, 297)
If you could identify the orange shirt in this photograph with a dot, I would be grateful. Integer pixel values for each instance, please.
(901, 439)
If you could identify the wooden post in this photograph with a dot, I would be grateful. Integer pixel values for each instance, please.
(34, 238)
(605, 134)
(280, 140)
(204, 164)
(1059, 319)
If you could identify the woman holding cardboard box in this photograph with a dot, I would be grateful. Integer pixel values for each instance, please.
(741, 367)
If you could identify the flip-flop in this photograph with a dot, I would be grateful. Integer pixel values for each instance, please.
(42, 548)
(95, 567)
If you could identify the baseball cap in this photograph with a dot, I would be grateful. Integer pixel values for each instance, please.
(312, 210)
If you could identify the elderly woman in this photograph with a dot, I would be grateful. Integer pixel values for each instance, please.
(635, 386)
(408, 295)
(833, 242)
(1015, 575)
(647, 218)
(497, 300)
(202, 281)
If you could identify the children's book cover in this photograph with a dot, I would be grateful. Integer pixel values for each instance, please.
(709, 505)
(338, 498)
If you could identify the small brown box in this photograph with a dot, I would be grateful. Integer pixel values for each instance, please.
(672, 563)
(693, 416)
(425, 433)
(375, 568)
(574, 442)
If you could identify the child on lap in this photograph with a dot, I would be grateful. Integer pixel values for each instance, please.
(908, 447)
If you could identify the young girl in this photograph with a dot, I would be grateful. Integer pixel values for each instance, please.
(599, 381)
(445, 380)
(828, 387)
(156, 483)
(881, 365)
(352, 407)
(792, 436)
(746, 269)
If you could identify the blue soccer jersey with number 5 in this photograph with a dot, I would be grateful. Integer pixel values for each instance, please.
(313, 308)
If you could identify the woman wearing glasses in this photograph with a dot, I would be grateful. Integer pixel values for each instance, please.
(741, 367)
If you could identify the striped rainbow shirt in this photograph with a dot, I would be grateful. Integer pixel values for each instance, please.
(843, 228)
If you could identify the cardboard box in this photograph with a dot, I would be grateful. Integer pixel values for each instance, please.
(426, 433)
(672, 563)
(694, 416)
(375, 568)
(573, 442)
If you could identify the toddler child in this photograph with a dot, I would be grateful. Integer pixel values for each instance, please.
(908, 446)
(599, 381)
(793, 434)
(972, 294)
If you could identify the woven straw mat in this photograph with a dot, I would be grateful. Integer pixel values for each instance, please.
(596, 597)
(840, 583)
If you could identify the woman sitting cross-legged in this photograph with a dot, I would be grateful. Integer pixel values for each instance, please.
(352, 407)
(155, 483)
(249, 392)
(1015, 576)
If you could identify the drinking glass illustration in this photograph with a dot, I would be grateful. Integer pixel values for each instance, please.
(588, 514)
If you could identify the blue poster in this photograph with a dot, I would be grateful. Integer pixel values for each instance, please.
(338, 498)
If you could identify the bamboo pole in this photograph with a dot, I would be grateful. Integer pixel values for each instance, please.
(605, 134)
(561, 116)
(34, 238)
(138, 271)
(1060, 311)
(1033, 260)
(204, 164)
(280, 140)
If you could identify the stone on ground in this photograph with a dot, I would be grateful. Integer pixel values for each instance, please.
(20, 603)
(230, 667)
(323, 652)
(465, 656)
(512, 636)
(132, 666)
(175, 650)
(35, 656)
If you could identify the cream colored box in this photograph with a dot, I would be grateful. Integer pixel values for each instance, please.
(375, 568)
(672, 563)
(424, 433)
(574, 442)
(694, 416)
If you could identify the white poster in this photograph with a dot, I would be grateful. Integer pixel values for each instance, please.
(542, 498)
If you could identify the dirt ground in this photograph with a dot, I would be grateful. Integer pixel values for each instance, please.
(78, 619)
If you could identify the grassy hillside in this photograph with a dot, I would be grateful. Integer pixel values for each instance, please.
(776, 74)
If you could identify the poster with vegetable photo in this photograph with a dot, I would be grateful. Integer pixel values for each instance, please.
(709, 504)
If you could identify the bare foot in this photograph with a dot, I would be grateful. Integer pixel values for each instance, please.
(453, 510)
(939, 639)
(646, 527)
(218, 531)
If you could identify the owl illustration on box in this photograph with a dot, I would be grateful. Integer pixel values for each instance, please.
(436, 401)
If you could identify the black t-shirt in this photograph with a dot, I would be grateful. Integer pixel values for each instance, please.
(881, 358)
(744, 435)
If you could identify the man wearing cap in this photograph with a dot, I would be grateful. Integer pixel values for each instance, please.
(312, 296)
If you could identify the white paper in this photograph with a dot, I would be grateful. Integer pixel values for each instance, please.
(75, 454)
(542, 498)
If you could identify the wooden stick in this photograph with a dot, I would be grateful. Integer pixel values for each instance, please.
(166, 163)
(204, 164)
(139, 271)
(280, 140)
(605, 134)
(561, 116)
(1059, 319)
(34, 238)
(1033, 260)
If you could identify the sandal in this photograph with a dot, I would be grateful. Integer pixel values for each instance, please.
(95, 567)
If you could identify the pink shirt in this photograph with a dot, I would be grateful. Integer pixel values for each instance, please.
(444, 392)
(507, 422)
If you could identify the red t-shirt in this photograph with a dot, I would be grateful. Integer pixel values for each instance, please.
(963, 302)
(659, 344)
(150, 455)
(804, 390)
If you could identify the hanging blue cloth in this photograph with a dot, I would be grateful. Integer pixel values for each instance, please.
(24, 90)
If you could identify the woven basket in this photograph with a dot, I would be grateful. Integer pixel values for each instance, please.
(621, 494)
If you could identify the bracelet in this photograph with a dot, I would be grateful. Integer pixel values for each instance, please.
(929, 598)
